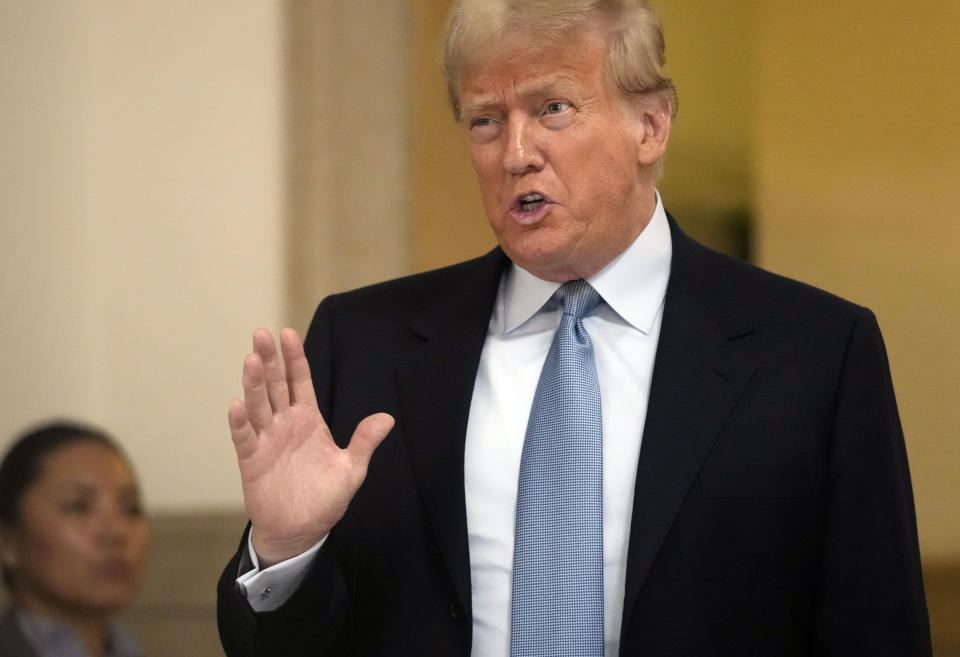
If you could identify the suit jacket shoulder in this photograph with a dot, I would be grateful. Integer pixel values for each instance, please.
(432, 294)
(774, 461)
(379, 323)
(740, 295)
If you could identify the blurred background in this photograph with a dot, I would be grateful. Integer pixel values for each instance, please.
(175, 174)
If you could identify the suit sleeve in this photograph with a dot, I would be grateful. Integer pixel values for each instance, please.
(871, 593)
(311, 621)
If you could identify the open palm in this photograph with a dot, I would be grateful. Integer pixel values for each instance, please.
(297, 483)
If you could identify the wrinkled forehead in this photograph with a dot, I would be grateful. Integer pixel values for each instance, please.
(521, 70)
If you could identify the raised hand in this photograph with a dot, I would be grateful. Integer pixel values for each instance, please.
(297, 483)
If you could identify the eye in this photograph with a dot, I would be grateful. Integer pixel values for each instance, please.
(78, 507)
(130, 504)
(483, 129)
(132, 509)
(556, 107)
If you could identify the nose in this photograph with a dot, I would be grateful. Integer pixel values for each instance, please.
(112, 528)
(521, 152)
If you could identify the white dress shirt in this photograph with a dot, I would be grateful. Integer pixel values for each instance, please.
(624, 331)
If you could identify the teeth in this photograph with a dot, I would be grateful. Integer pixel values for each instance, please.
(531, 202)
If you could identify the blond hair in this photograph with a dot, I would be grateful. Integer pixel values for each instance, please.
(635, 45)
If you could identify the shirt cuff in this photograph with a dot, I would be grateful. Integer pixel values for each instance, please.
(269, 588)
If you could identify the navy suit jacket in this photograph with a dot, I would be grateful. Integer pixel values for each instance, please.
(773, 511)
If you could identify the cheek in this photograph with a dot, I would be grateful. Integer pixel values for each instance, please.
(489, 185)
(56, 540)
(487, 165)
(620, 182)
(57, 558)
(139, 544)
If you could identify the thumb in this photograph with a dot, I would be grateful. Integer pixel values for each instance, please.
(369, 434)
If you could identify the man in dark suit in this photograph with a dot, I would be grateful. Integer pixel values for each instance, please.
(755, 492)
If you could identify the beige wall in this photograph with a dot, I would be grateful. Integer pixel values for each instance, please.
(446, 219)
(174, 175)
(708, 183)
(857, 162)
(140, 201)
(348, 104)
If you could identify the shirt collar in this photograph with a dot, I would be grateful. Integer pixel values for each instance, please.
(50, 637)
(633, 284)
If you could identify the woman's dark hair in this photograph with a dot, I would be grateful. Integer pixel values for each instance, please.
(22, 463)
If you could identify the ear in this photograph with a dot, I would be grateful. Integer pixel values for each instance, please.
(654, 120)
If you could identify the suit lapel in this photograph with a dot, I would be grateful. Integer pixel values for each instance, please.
(697, 379)
(435, 379)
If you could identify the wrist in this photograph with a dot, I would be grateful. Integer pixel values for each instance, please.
(271, 551)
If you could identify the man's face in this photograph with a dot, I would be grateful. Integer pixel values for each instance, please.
(563, 163)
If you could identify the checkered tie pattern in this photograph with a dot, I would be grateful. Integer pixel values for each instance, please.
(557, 593)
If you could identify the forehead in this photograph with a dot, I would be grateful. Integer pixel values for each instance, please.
(87, 461)
(520, 65)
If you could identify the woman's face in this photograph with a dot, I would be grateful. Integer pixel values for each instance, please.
(81, 539)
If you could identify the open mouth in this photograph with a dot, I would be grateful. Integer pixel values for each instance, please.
(531, 202)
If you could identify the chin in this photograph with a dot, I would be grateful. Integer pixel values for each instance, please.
(109, 600)
(107, 606)
(542, 248)
(546, 263)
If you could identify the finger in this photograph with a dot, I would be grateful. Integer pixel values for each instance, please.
(369, 434)
(243, 435)
(298, 370)
(255, 393)
(265, 347)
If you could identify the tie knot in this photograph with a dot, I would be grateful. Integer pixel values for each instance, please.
(577, 298)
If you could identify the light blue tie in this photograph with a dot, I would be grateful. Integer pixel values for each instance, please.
(557, 596)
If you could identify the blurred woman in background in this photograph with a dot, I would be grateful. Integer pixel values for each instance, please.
(73, 538)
